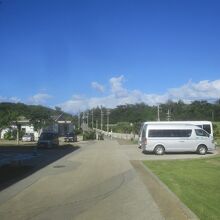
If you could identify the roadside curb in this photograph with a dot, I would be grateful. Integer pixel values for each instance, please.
(172, 208)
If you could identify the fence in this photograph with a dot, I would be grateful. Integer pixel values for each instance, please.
(130, 136)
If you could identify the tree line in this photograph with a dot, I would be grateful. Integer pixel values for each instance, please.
(123, 118)
(127, 118)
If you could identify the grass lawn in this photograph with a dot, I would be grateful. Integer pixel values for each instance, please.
(195, 182)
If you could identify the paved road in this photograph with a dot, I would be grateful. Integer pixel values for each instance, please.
(95, 182)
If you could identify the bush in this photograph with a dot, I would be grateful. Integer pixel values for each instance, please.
(122, 127)
(89, 135)
(78, 131)
(10, 135)
(101, 136)
(216, 129)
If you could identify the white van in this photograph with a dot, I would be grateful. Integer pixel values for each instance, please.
(161, 138)
(205, 125)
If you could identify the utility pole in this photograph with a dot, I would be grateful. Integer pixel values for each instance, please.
(96, 132)
(158, 113)
(87, 117)
(79, 120)
(83, 122)
(101, 118)
(92, 119)
(108, 113)
(168, 115)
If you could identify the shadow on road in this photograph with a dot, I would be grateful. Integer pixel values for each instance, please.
(35, 159)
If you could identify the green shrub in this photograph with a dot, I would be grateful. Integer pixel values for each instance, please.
(89, 135)
(101, 136)
(78, 131)
(10, 135)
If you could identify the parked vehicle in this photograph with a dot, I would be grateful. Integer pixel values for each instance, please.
(70, 137)
(161, 138)
(28, 137)
(48, 140)
(206, 125)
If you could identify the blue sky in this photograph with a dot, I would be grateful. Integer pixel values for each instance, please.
(81, 53)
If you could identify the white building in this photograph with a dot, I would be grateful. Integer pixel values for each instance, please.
(59, 126)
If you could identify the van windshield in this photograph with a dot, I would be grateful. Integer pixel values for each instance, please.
(207, 128)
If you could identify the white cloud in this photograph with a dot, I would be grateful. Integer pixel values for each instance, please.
(40, 98)
(10, 99)
(203, 90)
(118, 95)
(117, 88)
(98, 87)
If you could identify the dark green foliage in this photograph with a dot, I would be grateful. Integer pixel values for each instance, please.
(122, 127)
(39, 116)
(216, 128)
(78, 131)
(132, 113)
(10, 135)
(9, 112)
(123, 116)
(89, 135)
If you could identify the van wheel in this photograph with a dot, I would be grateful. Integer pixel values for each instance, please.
(202, 149)
(159, 150)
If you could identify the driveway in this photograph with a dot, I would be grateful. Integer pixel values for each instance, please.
(96, 182)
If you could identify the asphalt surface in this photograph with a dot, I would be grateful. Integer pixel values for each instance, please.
(98, 181)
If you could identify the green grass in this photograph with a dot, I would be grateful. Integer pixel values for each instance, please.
(195, 182)
(218, 141)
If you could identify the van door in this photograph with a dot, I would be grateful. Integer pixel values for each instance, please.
(181, 140)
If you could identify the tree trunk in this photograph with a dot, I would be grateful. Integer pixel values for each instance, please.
(17, 136)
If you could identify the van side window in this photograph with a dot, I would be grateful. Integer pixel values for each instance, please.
(200, 132)
(207, 128)
(170, 133)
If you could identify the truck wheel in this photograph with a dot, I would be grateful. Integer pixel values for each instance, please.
(202, 149)
(159, 150)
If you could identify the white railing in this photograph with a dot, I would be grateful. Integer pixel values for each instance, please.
(119, 135)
